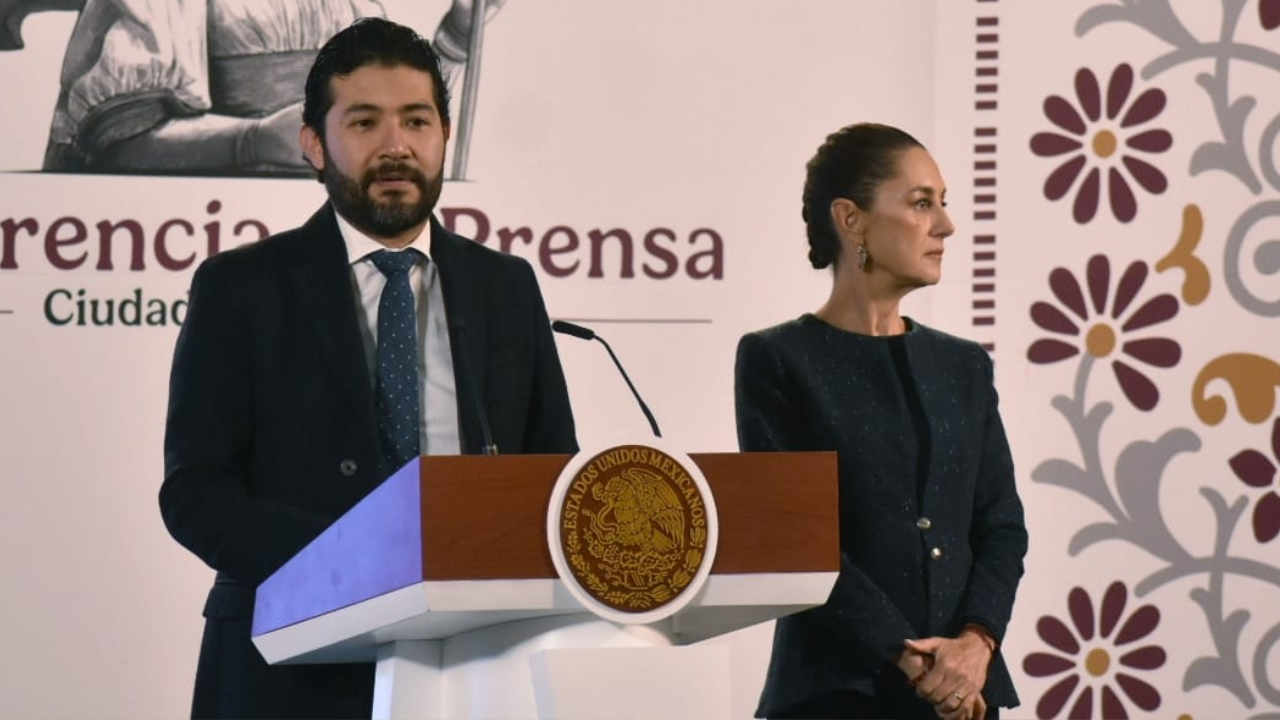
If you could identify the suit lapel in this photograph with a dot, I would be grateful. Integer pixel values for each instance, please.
(466, 312)
(323, 284)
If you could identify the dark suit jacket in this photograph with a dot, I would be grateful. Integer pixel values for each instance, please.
(271, 432)
(931, 527)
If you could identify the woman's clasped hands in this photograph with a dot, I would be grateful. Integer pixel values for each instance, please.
(949, 673)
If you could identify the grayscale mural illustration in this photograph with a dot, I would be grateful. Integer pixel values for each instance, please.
(212, 87)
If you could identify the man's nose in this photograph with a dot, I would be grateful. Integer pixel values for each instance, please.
(395, 141)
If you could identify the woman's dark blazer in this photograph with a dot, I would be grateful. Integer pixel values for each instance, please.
(932, 533)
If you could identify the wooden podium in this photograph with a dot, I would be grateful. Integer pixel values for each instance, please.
(442, 575)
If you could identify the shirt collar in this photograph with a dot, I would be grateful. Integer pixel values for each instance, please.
(360, 246)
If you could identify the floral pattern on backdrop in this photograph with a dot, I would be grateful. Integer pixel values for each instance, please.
(1104, 144)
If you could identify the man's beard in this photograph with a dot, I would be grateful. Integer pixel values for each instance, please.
(387, 218)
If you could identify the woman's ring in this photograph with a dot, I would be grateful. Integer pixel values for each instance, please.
(958, 696)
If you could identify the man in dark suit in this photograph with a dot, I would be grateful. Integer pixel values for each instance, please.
(278, 400)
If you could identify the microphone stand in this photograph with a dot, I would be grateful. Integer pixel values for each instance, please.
(568, 328)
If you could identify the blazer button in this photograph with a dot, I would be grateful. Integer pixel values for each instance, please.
(924, 523)
(348, 467)
(936, 553)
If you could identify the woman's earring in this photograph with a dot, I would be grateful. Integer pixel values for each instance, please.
(862, 256)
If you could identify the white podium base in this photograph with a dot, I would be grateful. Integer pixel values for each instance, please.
(655, 683)
(409, 673)
(558, 667)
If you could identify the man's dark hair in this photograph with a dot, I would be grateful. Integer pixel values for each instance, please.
(852, 163)
(369, 41)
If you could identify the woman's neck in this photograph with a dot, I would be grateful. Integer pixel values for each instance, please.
(856, 306)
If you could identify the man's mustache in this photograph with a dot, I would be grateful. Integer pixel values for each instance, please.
(395, 171)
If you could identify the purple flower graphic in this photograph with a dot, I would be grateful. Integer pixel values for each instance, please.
(1102, 331)
(1103, 144)
(1257, 470)
(1098, 660)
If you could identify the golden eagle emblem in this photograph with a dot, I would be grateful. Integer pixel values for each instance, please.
(633, 527)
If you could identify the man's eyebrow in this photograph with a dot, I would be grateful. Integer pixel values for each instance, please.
(361, 107)
(374, 108)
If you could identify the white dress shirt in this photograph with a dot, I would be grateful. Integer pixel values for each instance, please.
(437, 392)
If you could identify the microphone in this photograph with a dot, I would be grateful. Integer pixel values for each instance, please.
(568, 328)
(462, 372)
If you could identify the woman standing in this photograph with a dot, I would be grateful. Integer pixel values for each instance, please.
(931, 527)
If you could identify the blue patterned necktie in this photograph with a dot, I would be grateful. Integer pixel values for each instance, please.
(396, 392)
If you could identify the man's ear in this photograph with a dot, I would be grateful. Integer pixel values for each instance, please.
(312, 146)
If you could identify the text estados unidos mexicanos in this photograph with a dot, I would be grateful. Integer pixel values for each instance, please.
(635, 455)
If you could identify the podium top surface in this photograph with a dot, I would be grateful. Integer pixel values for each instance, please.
(444, 519)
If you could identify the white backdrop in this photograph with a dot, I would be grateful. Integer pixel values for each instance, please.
(696, 118)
